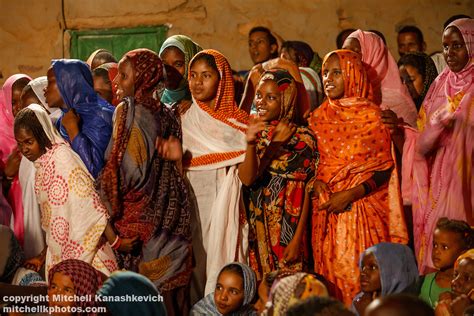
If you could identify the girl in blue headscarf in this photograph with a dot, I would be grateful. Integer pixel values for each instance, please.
(87, 120)
(386, 268)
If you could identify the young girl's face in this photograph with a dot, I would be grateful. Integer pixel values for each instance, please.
(16, 101)
(60, 286)
(51, 92)
(103, 88)
(447, 247)
(268, 100)
(352, 44)
(370, 274)
(463, 281)
(203, 81)
(412, 79)
(125, 79)
(28, 145)
(175, 66)
(229, 294)
(333, 79)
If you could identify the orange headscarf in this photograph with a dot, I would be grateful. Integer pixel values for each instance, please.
(225, 109)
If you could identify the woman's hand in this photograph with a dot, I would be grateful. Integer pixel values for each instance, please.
(283, 132)
(169, 149)
(256, 125)
(292, 251)
(129, 244)
(317, 186)
(36, 262)
(392, 122)
(13, 163)
(70, 121)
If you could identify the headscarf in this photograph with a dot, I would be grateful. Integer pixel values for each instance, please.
(225, 109)
(283, 294)
(7, 137)
(383, 74)
(428, 71)
(90, 60)
(45, 121)
(7, 144)
(189, 49)
(123, 283)
(148, 75)
(85, 278)
(397, 266)
(207, 306)
(39, 85)
(467, 255)
(287, 87)
(75, 83)
(112, 71)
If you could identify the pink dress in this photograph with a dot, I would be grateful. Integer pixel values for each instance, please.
(437, 159)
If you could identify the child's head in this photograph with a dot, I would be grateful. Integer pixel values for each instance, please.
(450, 239)
(353, 44)
(275, 97)
(235, 288)
(29, 134)
(17, 88)
(463, 278)
(370, 274)
(204, 77)
(333, 79)
(51, 93)
(28, 96)
(102, 84)
(399, 305)
(388, 268)
(262, 45)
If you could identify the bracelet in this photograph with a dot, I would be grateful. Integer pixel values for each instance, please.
(117, 245)
(115, 241)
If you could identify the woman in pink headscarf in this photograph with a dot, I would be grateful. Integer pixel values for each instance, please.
(9, 105)
(389, 91)
(437, 159)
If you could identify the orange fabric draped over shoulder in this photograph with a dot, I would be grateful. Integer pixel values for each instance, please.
(353, 144)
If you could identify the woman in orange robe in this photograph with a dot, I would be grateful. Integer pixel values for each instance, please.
(356, 198)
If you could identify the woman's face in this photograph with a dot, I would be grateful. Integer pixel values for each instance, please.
(463, 281)
(412, 79)
(260, 48)
(268, 100)
(229, 294)
(125, 79)
(28, 145)
(333, 80)
(51, 92)
(103, 88)
(370, 274)
(203, 81)
(61, 287)
(454, 49)
(352, 44)
(16, 101)
(175, 65)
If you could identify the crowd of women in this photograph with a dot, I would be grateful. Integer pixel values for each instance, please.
(305, 186)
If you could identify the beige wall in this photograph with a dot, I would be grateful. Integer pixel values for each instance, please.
(31, 31)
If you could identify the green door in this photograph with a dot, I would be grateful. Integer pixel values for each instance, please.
(117, 41)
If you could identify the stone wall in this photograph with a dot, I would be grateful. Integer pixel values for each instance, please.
(32, 31)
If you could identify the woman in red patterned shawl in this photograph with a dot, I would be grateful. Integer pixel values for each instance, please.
(357, 197)
(145, 192)
(280, 159)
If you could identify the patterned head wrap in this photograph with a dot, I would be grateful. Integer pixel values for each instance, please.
(283, 294)
(287, 87)
(148, 75)
(225, 107)
(85, 278)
